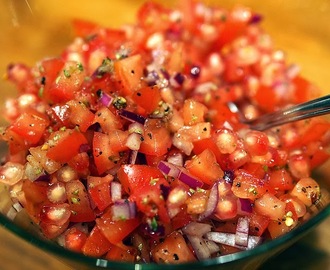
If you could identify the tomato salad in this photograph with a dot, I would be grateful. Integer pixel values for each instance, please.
(124, 147)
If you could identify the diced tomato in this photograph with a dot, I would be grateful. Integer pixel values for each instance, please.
(80, 163)
(193, 112)
(116, 231)
(104, 157)
(84, 28)
(50, 70)
(35, 194)
(265, 98)
(230, 30)
(80, 115)
(66, 84)
(122, 253)
(258, 224)
(270, 206)
(280, 180)
(149, 199)
(96, 243)
(148, 98)
(205, 167)
(30, 126)
(70, 140)
(248, 186)
(128, 72)
(99, 191)
(157, 140)
(78, 199)
(75, 239)
(107, 120)
(134, 176)
(181, 219)
(303, 89)
(173, 249)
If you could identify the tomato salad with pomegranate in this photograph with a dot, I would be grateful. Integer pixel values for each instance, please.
(124, 147)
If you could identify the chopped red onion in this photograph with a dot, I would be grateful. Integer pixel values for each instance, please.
(229, 240)
(133, 156)
(242, 232)
(211, 203)
(190, 180)
(244, 206)
(105, 99)
(133, 141)
(212, 246)
(176, 159)
(131, 116)
(197, 228)
(85, 147)
(123, 209)
(255, 18)
(136, 127)
(116, 191)
(168, 169)
(200, 248)
(195, 72)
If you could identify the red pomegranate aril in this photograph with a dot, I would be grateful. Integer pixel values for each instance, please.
(306, 190)
(270, 206)
(226, 141)
(299, 206)
(299, 166)
(280, 180)
(256, 143)
(56, 214)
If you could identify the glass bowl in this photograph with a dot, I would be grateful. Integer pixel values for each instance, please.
(34, 29)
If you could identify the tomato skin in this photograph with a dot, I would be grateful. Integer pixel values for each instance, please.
(99, 191)
(67, 83)
(116, 231)
(80, 115)
(150, 201)
(79, 202)
(107, 120)
(122, 253)
(75, 239)
(205, 167)
(280, 180)
(247, 186)
(35, 194)
(148, 98)
(258, 224)
(193, 112)
(30, 126)
(134, 176)
(128, 73)
(157, 139)
(70, 140)
(96, 243)
(173, 249)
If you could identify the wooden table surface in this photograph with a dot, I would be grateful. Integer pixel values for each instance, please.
(310, 253)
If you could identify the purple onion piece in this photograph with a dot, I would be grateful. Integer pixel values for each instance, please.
(84, 148)
(229, 176)
(245, 205)
(195, 72)
(211, 203)
(256, 18)
(131, 116)
(179, 78)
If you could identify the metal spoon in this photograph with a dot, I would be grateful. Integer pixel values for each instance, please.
(312, 108)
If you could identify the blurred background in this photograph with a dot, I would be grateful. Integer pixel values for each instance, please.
(34, 29)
